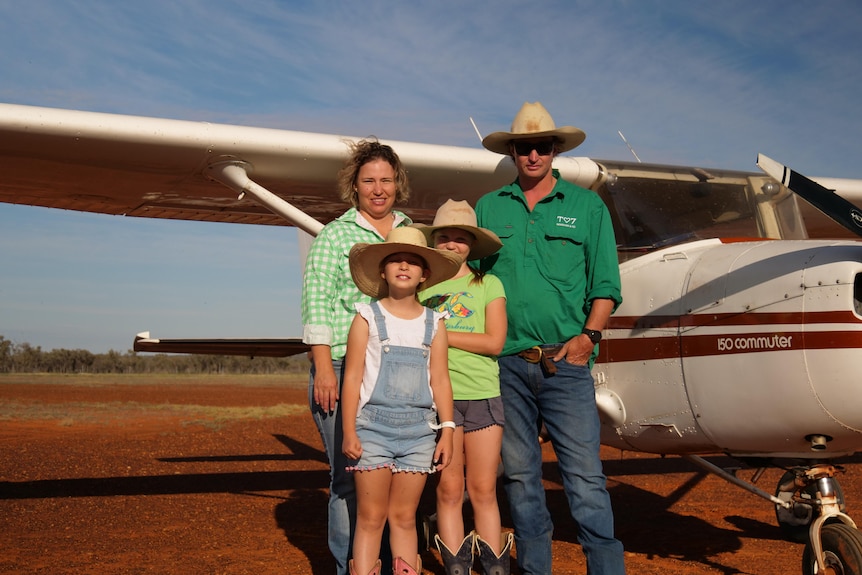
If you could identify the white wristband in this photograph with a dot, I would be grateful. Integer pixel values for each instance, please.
(441, 425)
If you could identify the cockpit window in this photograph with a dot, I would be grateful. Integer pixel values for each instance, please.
(655, 206)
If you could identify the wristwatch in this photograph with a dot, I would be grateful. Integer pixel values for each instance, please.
(594, 335)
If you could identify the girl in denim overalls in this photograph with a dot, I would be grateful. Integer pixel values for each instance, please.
(396, 388)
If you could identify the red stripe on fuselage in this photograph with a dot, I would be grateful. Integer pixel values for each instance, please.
(687, 342)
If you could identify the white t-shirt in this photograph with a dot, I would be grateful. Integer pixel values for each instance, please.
(401, 332)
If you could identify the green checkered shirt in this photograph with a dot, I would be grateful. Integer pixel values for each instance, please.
(328, 291)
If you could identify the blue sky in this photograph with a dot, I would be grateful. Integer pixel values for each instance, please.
(687, 82)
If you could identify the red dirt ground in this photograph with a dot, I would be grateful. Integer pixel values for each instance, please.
(103, 478)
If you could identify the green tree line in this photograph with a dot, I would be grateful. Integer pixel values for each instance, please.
(24, 358)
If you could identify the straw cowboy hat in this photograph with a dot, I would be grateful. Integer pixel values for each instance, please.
(366, 260)
(460, 215)
(534, 121)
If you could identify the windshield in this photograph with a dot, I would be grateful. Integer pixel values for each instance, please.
(657, 206)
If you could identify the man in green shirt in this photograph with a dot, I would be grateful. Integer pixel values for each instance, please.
(560, 270)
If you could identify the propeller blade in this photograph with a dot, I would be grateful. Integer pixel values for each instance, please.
(824, 199)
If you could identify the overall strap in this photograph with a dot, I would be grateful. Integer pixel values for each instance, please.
(429, 327)
(380, 321)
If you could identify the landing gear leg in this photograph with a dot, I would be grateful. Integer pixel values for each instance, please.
(798, 491)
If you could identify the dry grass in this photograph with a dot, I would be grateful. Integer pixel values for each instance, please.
(71, 413)
(87, 379)
(110, 413)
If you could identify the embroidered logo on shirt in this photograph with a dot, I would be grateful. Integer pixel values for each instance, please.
(566, 222)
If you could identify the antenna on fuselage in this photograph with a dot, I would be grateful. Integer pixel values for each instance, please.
(477, 130)
(632, 150)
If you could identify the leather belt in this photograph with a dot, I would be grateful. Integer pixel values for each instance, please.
(542, 354)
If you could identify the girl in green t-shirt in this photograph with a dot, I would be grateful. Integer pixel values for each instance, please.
(475, 308)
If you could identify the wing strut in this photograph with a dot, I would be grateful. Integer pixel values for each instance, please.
(712, 468)
(233, 174)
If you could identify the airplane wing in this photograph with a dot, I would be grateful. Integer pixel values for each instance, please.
(160, 168)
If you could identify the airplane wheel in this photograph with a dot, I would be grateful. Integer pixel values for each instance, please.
(842, 551)
(794, 522)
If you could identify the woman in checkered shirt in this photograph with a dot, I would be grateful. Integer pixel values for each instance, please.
(372, 181)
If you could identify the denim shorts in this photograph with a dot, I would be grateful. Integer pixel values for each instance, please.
(400, 441)
(476, 414)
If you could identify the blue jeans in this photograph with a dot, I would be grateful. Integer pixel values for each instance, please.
(566, 403)
(342, 491)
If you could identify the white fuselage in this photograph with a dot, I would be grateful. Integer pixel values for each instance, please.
(748, 348)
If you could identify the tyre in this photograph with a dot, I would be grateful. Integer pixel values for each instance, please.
(842, 550)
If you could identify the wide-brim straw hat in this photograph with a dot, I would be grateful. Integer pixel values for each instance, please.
(534, 121)
(459, 214)
(365, 260)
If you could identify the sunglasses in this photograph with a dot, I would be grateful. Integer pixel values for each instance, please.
(526, 148)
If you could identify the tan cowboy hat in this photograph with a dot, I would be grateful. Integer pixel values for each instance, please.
(534, 121)
(365, 260)
(460, 215)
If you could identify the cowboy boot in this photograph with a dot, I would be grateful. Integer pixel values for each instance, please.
(374, 571)
(494, 564)
(460, 562)
(402, 567)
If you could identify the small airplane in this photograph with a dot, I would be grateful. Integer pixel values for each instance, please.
(741, 324)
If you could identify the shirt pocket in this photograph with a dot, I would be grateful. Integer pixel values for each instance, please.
(562, 254)
(507, 235)
(504, 231)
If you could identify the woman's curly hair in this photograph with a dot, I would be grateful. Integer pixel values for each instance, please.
(362, 152)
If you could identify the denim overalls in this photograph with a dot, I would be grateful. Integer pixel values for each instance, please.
(395, 426)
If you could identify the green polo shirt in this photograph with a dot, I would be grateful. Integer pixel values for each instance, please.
(554, 261)
(328, 291)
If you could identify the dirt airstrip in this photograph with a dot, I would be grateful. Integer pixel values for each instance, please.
(225, 475)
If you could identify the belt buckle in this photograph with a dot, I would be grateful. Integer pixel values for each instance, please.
(539, 355)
